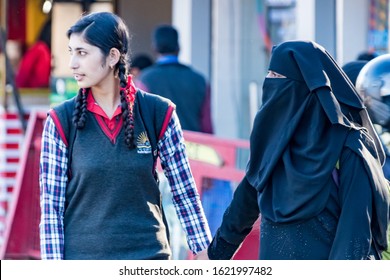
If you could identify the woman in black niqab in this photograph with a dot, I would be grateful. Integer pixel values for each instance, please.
(314, 172)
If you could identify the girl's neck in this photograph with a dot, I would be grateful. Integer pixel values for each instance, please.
(107, 97)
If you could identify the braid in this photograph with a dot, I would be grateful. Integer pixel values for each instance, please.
(80, 110)
(127, 109)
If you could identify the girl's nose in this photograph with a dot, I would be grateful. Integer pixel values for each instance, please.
(73, 64)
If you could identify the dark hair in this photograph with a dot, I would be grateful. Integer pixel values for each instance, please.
(352, 69)
(367, 55)
(106, 31)
(45, 34)
(166, 39)
(141, 61)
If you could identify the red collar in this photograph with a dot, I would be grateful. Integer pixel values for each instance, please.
(95, 108)
(111, 127)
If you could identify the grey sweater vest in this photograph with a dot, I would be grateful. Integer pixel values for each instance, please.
(113, 207)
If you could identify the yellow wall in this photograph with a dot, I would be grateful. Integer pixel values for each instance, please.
(34, 21)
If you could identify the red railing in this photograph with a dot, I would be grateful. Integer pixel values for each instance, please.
(21, 237)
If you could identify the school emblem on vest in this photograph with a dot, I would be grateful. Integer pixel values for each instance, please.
(143, 144)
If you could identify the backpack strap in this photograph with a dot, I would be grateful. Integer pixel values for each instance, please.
(62, 117)
(156, 112)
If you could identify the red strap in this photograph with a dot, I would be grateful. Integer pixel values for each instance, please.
(58, 125)
(168, 116)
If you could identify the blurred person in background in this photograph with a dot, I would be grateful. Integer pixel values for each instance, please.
(138, 63)
(180, 83)
(367, 55)
(352, 69)
(35, 66)
(372, 80)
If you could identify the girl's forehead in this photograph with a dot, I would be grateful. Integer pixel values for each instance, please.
(77, 41)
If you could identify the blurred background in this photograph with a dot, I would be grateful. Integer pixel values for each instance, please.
(228, 41)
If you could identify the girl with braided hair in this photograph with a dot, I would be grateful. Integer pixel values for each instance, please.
(99, 187)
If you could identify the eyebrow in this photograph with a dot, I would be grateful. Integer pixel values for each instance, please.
(76, 49)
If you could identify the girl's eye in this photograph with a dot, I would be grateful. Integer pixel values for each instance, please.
(77, 52)
(272, 74)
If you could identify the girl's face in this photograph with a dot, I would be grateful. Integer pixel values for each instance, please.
(90, 68)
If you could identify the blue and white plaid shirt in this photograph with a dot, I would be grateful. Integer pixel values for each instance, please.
(53, 181)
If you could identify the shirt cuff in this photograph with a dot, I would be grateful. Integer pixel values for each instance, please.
(220, 249)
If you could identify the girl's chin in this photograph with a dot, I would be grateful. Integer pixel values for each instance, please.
(82, 84)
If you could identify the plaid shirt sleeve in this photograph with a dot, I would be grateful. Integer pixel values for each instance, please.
(174, 162)
(52, 181)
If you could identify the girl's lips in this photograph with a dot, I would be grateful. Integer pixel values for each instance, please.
(78, 77)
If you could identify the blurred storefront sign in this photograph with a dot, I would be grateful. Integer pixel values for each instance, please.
(378, 31)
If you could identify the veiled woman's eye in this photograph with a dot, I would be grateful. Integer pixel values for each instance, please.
(272, 74)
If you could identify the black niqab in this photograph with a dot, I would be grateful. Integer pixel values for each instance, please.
(300, 131)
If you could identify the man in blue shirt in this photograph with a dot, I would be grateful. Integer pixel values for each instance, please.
(184, 86)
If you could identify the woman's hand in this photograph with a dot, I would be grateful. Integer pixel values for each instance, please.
(202, 255)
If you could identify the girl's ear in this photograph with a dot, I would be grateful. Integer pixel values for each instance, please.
(113, 57)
